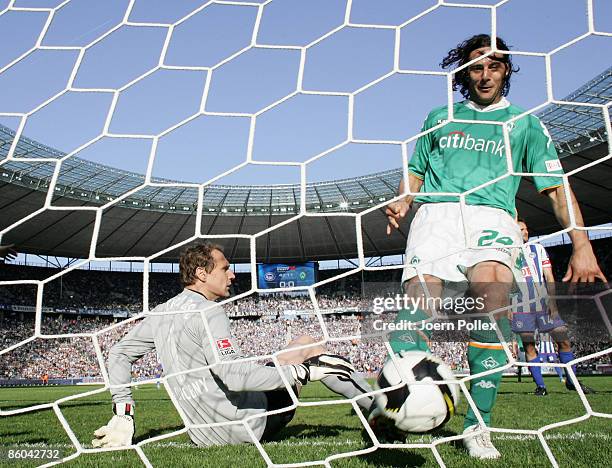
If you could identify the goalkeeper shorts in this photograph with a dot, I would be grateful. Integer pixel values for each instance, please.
(277, 399)
(444, 243)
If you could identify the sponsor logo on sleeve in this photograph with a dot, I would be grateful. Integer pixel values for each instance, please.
(225, 347)
(553, 165)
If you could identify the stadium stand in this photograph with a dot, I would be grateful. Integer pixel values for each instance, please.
(82, 304)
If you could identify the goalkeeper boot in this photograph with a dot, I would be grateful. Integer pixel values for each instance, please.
(585, 389)
(540, 391)
(478, 443)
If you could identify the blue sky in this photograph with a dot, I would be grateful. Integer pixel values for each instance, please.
(295, 130)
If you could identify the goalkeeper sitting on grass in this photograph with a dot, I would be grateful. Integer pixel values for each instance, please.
(224, 391)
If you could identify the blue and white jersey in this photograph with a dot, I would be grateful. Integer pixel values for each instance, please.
(532, 289)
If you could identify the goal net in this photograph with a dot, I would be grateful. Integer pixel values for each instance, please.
(330, 63)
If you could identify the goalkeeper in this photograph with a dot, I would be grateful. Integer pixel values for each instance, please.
(448, 243)
(208, 387)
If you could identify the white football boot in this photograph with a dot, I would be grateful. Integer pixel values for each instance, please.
(479, 445)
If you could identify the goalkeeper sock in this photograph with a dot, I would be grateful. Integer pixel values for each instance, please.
(410, 340)
(483, 390)
(350, 388)
(565, 357)
(536, 372)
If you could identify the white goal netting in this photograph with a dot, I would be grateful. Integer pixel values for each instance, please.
(96, 342)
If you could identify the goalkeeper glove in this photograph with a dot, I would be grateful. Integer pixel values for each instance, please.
(119, 430)
(321, 366)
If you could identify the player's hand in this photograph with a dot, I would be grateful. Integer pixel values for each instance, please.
(119, 430)
(321, 366)
(117, 433)
(395, 212)
(583, 267)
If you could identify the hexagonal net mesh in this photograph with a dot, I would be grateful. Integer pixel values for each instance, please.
(95, 342)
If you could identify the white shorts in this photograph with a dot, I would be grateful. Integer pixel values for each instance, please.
(441, 244)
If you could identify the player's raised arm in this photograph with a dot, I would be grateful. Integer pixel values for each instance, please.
(583, 265)
(397, 210)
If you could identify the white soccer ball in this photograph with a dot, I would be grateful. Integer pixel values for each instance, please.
(416, 407)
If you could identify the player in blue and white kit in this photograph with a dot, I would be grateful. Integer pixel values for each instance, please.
(548, 352)
(536, 313)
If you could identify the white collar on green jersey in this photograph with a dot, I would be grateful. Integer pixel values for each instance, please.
(502, 104)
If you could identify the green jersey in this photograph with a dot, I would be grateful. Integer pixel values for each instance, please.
(461, 156)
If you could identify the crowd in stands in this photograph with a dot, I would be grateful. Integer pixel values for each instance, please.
(76, 358)
(63, 358)
(83, 289)
(262, 324)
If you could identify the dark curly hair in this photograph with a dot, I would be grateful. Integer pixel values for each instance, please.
(460, 55)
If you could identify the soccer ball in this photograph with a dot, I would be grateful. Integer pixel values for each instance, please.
(414, 407)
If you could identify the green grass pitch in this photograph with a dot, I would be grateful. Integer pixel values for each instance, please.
(317, 432)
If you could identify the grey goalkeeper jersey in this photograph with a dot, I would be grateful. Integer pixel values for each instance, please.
(221, 393)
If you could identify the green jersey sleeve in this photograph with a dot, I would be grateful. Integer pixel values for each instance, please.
(424, 146)
(541, 156)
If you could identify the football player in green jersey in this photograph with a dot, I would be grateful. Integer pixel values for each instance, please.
(451, 241)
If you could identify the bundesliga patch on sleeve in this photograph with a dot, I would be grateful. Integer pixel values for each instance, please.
(553, 165)
(225, 347)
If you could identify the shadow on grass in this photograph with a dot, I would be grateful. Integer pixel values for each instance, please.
(155, 432)
(440, 433)
(393, 458)
(307, 430)
(389, 457)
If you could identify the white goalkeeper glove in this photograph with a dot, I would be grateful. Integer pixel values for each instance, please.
(119, 430)
(321, 366)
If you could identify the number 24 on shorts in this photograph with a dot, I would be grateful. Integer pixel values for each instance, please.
(490, 237)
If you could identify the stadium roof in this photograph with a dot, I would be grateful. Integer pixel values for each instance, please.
(156, 217)
(570, 125)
